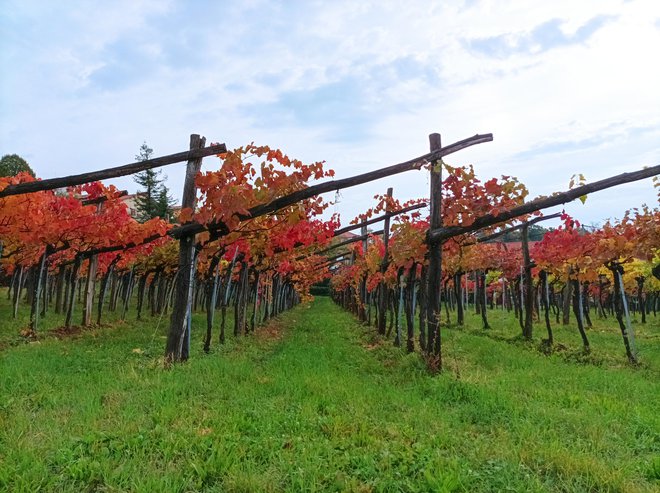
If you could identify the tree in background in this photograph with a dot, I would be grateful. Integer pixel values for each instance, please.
(12, 164)
(164, 204)
(535, 233)
(154, 199)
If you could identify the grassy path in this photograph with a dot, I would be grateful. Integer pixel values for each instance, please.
(319, 406)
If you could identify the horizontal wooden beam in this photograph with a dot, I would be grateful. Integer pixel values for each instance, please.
(193, 228)
(378, 219)
(329, 264)
(332, 185)
(333, 260)
(104, 174)
(348, 242)
(485, 239)
(339, 256)
(441, 234)
(118, 248)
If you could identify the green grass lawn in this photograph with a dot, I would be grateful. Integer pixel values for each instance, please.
(315, 402)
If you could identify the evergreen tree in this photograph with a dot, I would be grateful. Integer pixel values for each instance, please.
(153, 200)
(12, 164)
(164, 204)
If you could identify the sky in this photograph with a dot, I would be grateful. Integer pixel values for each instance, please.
(566, 87)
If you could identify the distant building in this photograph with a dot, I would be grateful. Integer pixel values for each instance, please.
(348, 235)
(130, 200)
(176, 210)
(512, 246)
(131, 204)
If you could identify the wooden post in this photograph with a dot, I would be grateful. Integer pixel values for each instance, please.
(458, 290)
(174, 350)
(90, 283)
(128, 293)
(484, 298)
(11, 283)
(631, 332)
(213, 274)
(17, 290)
(577, 310)
(545, 302)
(73, 282)
(621, 309)
(142, 284)
(434, 280)
(363, 282)
(383, 291)
(528, 292)
(45, 292)
(88, 300)
(254, 321)
(59, 289)
(38, 281)
(104, 289)
(410, 308)
(566, 300)
(399, 313)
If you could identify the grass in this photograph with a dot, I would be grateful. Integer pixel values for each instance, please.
(315, 402)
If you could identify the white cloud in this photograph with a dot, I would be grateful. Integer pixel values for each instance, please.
(88, 84)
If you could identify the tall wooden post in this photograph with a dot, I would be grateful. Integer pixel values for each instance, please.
(90, 283)
(434, 277)
(176, 349)
(18, 286)
(527, 288)
(73, 282)
(212, 276)
(59, 289)
(545, 302)
(458, 291)
(104, 289)
(383, 292)
(362, 311)
(621, 309)
(37, 286)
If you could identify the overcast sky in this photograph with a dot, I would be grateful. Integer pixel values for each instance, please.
(565, 87)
